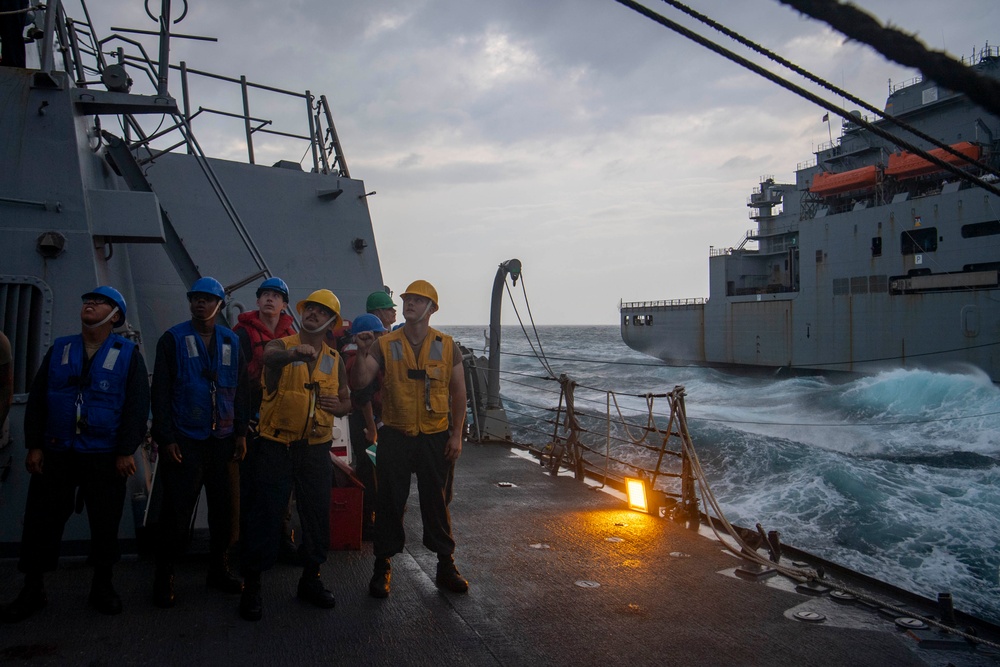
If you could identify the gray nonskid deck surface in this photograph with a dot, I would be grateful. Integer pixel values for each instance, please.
(524, 606)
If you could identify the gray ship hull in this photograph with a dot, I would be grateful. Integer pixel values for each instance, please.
(74, 214)
(888, 273)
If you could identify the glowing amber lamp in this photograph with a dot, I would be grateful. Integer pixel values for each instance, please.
(635, 489)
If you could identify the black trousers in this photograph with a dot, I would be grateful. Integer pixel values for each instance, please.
(363, 467)
(268, 474)
(51, 500)
(400, 456)
(205, 463)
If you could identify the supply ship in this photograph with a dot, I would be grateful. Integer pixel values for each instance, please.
(874, 257)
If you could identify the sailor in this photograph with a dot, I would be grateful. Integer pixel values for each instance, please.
(201, 408)
(380, 305)
(256, 329)
(364, 420)
(423, 381)
(86, 414)
(305, 387)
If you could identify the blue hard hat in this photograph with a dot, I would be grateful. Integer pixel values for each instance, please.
(367, 322)
(112, 295)
(274, 284)
(207, 285)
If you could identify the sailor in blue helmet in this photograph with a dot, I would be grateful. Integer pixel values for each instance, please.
(85, 417)
(201, 408)
(365, 419)
(256, 328)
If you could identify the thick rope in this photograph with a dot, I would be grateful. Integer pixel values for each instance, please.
(904, 49)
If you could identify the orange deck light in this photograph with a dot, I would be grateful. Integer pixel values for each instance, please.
(638, 494)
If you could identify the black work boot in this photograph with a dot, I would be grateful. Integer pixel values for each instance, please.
(163, 587)
(378, 587)
(448, 576)
(103, 596)
(311, 589)
(220, 578)
(251, 604)
(28, 602)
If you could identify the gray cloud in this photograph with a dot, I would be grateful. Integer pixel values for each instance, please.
(606, 152)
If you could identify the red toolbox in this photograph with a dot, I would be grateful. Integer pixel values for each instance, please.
(345, 518)
(346, 507)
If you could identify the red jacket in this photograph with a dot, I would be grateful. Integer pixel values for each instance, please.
(260, 336)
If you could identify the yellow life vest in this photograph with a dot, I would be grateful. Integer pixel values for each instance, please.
(290, 413)
(415, 395)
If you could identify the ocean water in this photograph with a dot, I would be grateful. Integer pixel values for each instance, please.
(896, 475)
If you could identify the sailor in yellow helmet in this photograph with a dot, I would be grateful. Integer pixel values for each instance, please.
(305, 387)
(423, 383)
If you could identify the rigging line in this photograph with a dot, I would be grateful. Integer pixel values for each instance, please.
(529, 375)
(542, 361)
(801, 92)
(913, 422)
(624, 422)
(837, 424)
(904, 49)
(531, 318)
(645, 432)
(531, 386)
(595, 361)
(825, 84)
(806, 366)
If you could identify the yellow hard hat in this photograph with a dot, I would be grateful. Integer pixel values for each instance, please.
(422, 288)
(325, 298)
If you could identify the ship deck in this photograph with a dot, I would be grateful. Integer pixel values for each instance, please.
(663, 594)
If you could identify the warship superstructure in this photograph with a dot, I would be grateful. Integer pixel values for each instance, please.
(104, 181)
(874, 257)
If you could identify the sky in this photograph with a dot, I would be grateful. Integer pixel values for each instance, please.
(607, 153)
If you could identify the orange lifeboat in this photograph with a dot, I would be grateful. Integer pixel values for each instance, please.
(907, 165)
(826, 183)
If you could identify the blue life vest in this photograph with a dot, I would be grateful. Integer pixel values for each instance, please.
(84, 412)
(205, 389)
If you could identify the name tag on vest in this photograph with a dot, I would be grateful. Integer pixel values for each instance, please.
(192, 346)
(227, 354)
(326, 364)
(109, 361)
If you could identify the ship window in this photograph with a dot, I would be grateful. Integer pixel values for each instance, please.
(876, 246)
(981, 229)
(878, 284)
(22, 305)
(840, 286)
(649, 320)
(916, 241)
(859, 285)
(625, 321)
(819, 256)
